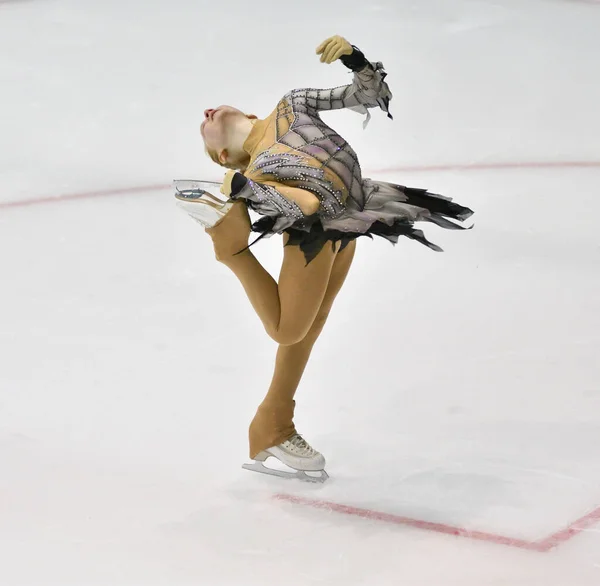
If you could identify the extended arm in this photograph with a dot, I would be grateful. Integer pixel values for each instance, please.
(367, 90)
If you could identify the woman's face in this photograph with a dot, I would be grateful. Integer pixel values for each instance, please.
(216, 126)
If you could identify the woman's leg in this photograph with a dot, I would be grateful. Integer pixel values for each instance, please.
(273, 423)
(287, 309)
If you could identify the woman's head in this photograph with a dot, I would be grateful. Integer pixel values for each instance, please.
(224, 131)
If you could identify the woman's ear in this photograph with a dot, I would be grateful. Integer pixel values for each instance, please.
(223, 156)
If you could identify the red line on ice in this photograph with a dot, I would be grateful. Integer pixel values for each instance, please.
(397, 169)
(82, 195)
(571, 531)
(542, 546)
(497, 165)
(407, 521)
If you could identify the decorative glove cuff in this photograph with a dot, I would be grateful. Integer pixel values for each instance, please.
(355, 61)
(238, 182)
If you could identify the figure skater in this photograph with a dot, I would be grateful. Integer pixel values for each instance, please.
(305, 182)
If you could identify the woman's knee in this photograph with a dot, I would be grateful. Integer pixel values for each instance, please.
(288, 334)
(294, 333)
(317, 326)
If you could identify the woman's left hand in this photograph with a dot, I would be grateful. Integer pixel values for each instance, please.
(333, 48)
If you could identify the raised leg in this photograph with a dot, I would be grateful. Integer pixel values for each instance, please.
(287, 309)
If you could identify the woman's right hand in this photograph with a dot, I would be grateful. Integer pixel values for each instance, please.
(233, 183)
(226, 185)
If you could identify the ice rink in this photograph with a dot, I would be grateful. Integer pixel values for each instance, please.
(455, 395)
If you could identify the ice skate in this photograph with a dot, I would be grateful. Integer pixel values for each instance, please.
(307, 463)
(195, 199)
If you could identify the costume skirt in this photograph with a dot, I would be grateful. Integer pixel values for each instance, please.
(388, 210)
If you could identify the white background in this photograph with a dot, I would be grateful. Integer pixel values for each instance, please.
(460, 388)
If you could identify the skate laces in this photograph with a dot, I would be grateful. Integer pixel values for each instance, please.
(298, 442)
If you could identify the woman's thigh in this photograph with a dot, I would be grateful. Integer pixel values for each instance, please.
(302, 289)
(339, 272)
(306, 292)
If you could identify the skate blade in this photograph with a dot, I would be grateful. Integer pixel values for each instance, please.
(183, 185)
(298, 474)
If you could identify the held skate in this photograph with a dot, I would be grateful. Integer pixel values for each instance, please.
(195, 198)
(297, 454)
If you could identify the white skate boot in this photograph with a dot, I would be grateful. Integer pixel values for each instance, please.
(295, 453)
(195, 199)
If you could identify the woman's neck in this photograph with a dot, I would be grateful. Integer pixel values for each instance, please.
(239, 134)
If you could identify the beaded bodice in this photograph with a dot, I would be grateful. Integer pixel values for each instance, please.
(293, 146)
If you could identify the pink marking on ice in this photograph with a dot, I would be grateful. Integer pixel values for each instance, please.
(542, 546)
(466, 167)
(82, 195)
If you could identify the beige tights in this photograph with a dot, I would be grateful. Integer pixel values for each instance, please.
(293, 312)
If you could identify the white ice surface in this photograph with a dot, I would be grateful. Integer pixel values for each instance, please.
(460, 388)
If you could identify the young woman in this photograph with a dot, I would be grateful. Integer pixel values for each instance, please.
(305, 181)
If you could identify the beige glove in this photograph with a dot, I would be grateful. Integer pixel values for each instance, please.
(226, 185)
(333, 48)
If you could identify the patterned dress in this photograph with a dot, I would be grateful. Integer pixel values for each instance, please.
(293, 147)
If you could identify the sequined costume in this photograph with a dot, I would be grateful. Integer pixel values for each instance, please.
(294, 147)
